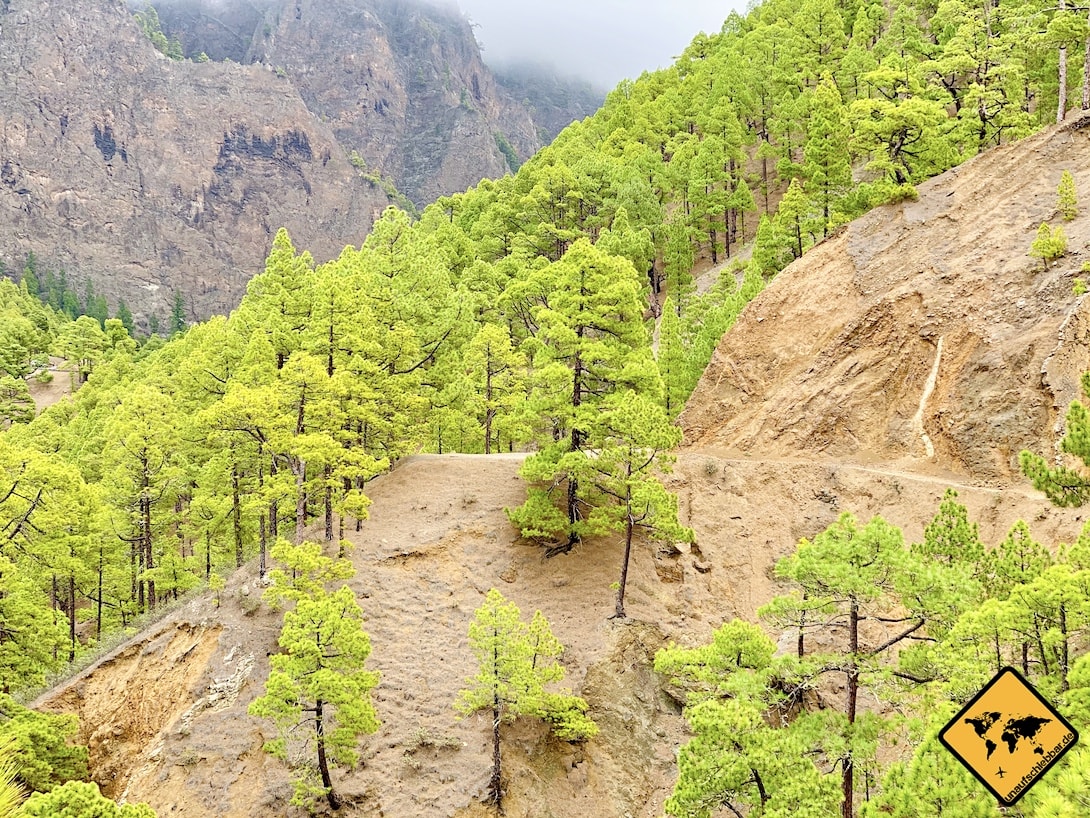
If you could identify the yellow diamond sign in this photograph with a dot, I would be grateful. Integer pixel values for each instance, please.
(1008, 736)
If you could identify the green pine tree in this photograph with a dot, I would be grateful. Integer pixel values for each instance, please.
(1066, 199)
(589, 341)
(82, 799)
(318, 683)
(515, 664)
(1050, 244)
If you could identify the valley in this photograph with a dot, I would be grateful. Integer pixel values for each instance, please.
(761, 384)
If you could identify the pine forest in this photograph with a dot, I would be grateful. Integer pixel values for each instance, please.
(563, 311)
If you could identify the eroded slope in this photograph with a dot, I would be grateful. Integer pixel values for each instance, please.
(833, 360)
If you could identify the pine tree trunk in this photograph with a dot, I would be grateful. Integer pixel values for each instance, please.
(328, 501)
(495, 789)
(323, 762)
(300, 468)
(848, 779)
(488, 410)
(236, 515)
(274, 507)
(98, 602)
(619, 612)
(149, 556)
(1086, 75)
(262, 542)
(1061, 107)
(727, 235)
(576, 440)
(71, 618)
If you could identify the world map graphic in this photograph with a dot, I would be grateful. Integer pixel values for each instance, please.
(1013, 731)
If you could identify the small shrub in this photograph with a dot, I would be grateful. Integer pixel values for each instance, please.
(216, 583)
(248, 602)
(1050, 244)
(1079, 287)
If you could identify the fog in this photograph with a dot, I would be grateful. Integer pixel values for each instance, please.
(603, 41)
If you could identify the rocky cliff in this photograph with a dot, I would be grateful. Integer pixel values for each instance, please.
(149, 176)
(400, 82)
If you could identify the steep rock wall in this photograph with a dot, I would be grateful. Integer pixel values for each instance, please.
(150, 177)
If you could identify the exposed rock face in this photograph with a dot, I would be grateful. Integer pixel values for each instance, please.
(149, 177)
(400, 81)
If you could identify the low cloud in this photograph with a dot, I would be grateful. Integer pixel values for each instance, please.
(603, 41)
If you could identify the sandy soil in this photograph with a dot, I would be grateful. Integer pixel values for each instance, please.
(45, 395)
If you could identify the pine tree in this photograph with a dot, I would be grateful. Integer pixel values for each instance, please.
(142, 475)
(1050, 244)
(495, 371)
(125, 315)
(515, 663)
(827, 163)
(43, 746)
(932, 782)
(672, 361)
(318, 682)
(82, 799)
(752, 749)
(1066, 199)
(178, 322)
(589, 342)
(630, 442)
(791, 218)
(852, 574)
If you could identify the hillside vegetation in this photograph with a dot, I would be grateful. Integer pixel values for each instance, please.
(519, 316)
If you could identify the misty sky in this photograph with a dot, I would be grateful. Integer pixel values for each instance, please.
(603, 41)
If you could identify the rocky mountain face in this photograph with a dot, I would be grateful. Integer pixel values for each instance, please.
(151, 177)
(398, 81)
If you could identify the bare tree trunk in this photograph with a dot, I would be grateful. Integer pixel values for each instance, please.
(1061, 107)
(1086, 76)
(848, 779)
